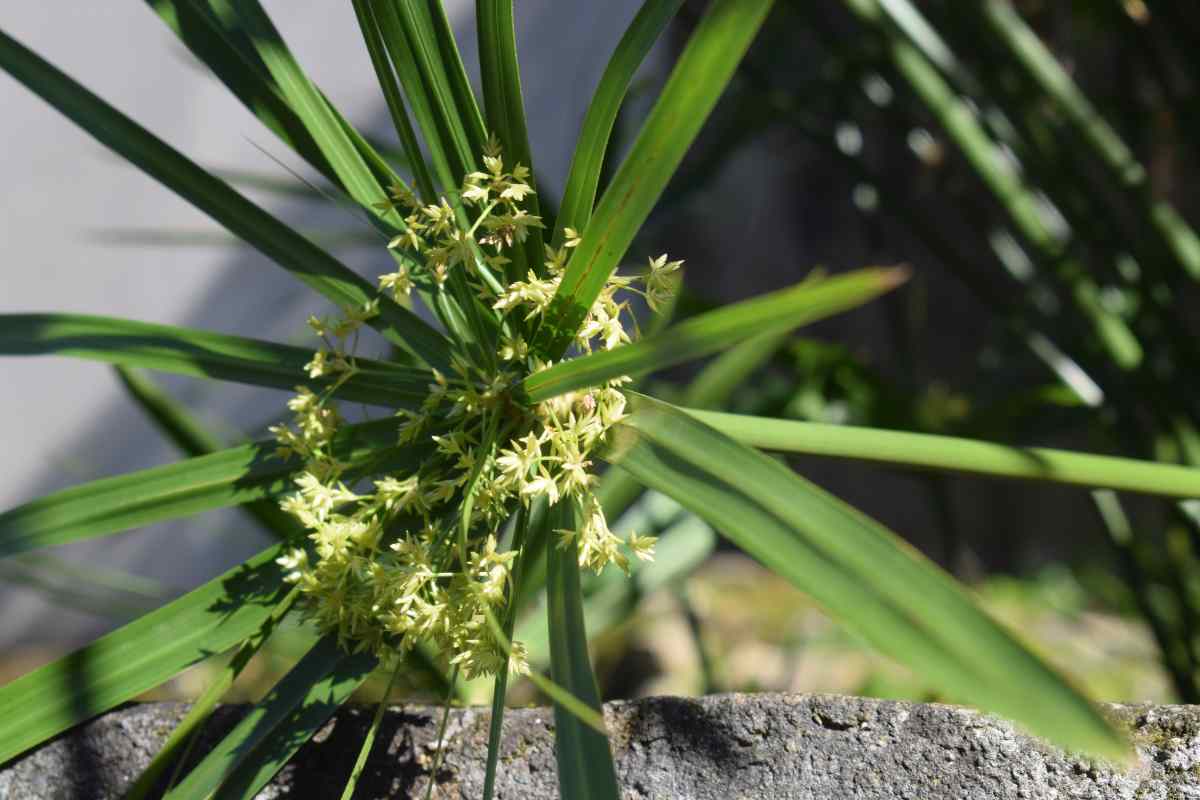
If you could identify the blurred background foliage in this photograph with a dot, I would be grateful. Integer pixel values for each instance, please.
(1033, 162)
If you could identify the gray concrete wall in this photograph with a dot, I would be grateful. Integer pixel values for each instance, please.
(801, 747)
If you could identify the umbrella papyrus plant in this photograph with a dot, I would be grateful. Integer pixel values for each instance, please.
(415, 536)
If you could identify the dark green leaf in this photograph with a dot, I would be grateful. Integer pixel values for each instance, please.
(258, 747)
(278, 242)
(858, 570)
(588, 161)
(928, 451)
(230, 477)
(186, 351)
(705, 67)
(140, 655)
(585, 765)
(779, 311)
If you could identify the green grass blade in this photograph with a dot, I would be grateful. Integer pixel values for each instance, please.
(705, 67)
(500, 689)
(226, 478)
(318, 705)
(183, 735)
(585, 765)
(201, 31)
(140, 655)
(859, 571)
(216, 34)
(290, 250)
(955, 454)
(505, 106)
(395, 40)
(588, 160)
(386, 76)
(323, 124)
(456, 75)
(186, 351)
(414, 45)
(194, 440)
(171, 418)
(701, 335)
(258, 747)
(364, 751)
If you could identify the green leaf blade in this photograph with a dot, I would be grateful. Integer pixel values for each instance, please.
(226, 478)
(258, 747)
(187, 351)
(203, 33)
(325, 126)
(585, 765)
(858, 570)
(140, 655)
(929, 451)
(300, 257)
(775, 312)
(179, 743)
(587, 162)
(505, 107)
(705, 67)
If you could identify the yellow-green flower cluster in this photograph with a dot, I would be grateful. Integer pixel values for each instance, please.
(386, 563)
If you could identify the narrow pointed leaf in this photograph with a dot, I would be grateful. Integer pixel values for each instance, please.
(186, 351)
(229, 477)
(216, 34)
(859, 571)
(395, 39)
(183, 735)
(177, 424)
(952, 453)
(170, 416)
(364, 750)
(290, 250)
(705, 67)
(465, 103)
(258, 747)
(583, 178)
(585, 765)
(500, 686)
(140, 655)
(202, 32)
(707, 333)
(505, 107)
(413, 42)
(325, 127)
(369, 25)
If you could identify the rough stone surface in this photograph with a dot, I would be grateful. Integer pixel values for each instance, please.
(724, 747)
